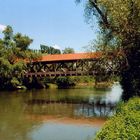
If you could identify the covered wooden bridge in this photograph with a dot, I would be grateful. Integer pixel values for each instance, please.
(63, 65)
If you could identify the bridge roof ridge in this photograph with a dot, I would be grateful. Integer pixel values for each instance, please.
(68, 57)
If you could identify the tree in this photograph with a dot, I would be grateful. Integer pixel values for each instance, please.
(49, 50)
(68, 50)
(22, 42)
(13, 52)
(8, 34)
(119, 22)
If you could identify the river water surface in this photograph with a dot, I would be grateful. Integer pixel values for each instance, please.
(55, 114)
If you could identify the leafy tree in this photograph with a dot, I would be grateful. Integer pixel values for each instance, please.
(22, 42)
(8, 34)
(13, 52)
(68, 50)
(49, 50)
(65, 82)
(119, 22)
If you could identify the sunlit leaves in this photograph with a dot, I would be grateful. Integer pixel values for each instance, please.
(21, 41)
(49, 50)
(68, 50)
(125, 124)
(121, 17)
(14, 52)
(5, 66)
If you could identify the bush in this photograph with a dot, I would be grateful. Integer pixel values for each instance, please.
(64, 82)
(125, 125)
(83, 79)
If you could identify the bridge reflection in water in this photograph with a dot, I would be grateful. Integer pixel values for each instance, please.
(70, 108)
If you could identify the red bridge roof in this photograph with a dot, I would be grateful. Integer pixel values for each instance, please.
(68, 57)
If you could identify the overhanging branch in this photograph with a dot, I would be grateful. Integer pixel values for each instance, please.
(102, 15)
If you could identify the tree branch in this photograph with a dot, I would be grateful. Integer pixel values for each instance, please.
(102, 15)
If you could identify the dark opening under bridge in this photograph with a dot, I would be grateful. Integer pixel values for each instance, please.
(63, 65)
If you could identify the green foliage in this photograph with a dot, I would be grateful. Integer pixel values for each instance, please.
(132, 105)
(64, 82)
(49, 50)
(118, 21)
(125, 125)
(68, 50)
(13, 52)
(82, 79)
(8, 34)
(22, 42)
(15, 82)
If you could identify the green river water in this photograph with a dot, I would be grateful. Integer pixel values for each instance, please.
(55, 114)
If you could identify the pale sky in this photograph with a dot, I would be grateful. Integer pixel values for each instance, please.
(49, 22)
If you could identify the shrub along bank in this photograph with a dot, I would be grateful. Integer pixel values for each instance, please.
(125, 124)
(64, 82)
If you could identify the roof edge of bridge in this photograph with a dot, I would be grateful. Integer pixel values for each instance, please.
(68, 57)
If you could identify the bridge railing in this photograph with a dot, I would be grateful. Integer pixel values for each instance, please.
(68, 73)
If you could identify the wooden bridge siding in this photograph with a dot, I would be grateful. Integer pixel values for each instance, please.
(60, 68)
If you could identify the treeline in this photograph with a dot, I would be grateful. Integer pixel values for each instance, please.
(45, 49)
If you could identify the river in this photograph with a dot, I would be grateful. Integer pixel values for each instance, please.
(56, 114)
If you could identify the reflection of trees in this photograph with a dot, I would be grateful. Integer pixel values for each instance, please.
(13, 124)
(70, 107)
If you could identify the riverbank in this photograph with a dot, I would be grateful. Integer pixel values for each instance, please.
(85, 85)
(58, 82)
